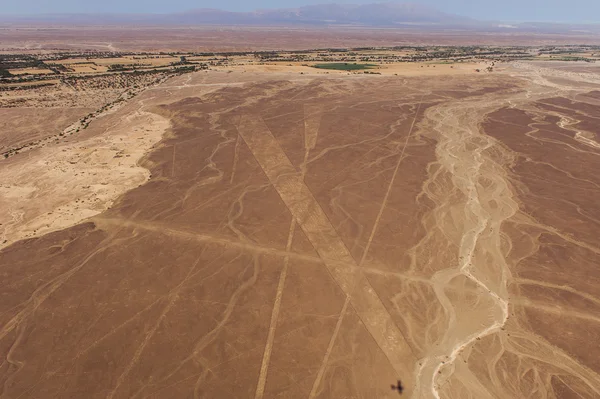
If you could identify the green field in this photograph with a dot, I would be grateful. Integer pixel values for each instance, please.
(344, 66)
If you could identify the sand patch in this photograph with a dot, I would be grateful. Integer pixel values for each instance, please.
(67, 183)
(30, 71)
(398, 68)
(432, 68)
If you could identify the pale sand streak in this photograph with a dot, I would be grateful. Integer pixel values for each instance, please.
(311, 129)
(322, 235)
(389, 189)
(264, 368)
(314, 390)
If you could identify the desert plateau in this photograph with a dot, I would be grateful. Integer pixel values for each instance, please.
(351, 220)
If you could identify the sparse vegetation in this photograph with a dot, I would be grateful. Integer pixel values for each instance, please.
(68, 78)
(5, 73)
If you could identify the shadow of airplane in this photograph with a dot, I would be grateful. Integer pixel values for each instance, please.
(398, 387)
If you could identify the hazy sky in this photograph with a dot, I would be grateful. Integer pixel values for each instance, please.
(508, 10)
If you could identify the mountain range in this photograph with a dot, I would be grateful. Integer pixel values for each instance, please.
(366, 15)
(377, 14)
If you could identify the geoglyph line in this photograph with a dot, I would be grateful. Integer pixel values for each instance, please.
(311, 129)
(264, 367)
(322, 235)
(317, 383)
(389, 189)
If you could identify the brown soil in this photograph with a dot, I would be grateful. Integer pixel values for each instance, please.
(244, 38)
(312, 236)
(40, 123)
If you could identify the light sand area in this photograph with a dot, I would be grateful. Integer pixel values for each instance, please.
(60, 185)
(432, 68)
(88, 68)
(31, 71)
(400, 69)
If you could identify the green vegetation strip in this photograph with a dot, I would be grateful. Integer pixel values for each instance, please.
(344, 66)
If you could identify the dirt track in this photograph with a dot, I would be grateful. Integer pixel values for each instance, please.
(323, 237)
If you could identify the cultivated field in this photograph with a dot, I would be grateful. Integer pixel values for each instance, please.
(274, 231)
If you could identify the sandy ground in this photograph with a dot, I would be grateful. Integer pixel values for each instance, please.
(60, 185)
(68, 181)
(31, 71)
(313, 236)
(83, 177)
(399, 69)
(88, 68)
(40, 123)
(240, 38)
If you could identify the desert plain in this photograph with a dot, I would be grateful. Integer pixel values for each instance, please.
(278, 231)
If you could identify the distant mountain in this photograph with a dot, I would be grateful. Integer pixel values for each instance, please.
(366, 15)
(378, 14)
(372, 15)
